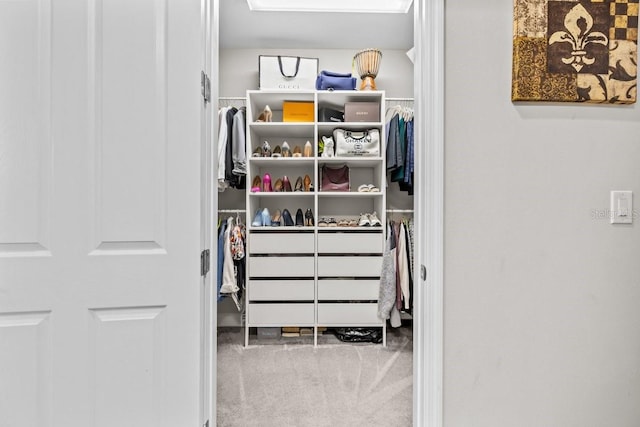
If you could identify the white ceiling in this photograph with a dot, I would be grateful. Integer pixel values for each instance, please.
(242, 29)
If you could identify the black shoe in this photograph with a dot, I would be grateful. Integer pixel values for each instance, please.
(286, 218)
(299, 218)
(308, 218)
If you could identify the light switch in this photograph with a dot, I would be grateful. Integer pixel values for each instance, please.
(621, 207)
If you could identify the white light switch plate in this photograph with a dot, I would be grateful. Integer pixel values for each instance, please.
(621, 207)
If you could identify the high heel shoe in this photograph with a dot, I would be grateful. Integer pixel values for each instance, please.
(277, 152)
(266, 218)
(307, 183)
(257, 152)
(276, 218)
(266, 183)
(256, 185)
(308, 150)
(299, 218)
(266, 149)
(286, 218)
(278, 185)
(266, 115)
(297, 151)
(257, 220)
(286, 184)
(286, 151)
(298, 186)
(308, 218)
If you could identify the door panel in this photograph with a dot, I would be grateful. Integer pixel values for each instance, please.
(128, 123)
(100, 155)
(25, 398)
(25, 122)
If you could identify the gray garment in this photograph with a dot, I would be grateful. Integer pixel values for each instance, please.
(395, 153)
(239, 141)
(387, 293)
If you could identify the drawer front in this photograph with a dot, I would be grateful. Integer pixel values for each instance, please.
(350, 243)
(280, 314)
(281, 243)
(349, 266)
(341, 290)
(274, 266)
(348, 315)
(281, 290)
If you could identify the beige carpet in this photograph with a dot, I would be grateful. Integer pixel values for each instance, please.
(286, 382)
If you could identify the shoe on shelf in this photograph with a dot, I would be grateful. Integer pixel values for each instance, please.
(266, 218)
(323, 222)
(266, 115)
(266, 183)
(308, 186)
(277, 152)
(308, 218)
(278, 185)
(276, 218)
(299, 218)
(332, 222)
(266, 149)
(286, 184)
(286, 218)
(364, 188)
(297, 151)
(374, 221)
(256, 185)
(286, 151)
(257, 152)
(257, 220)
(308, 150)
(298, 186)
(364, 220)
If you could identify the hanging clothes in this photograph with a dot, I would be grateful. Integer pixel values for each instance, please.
(222, 147)
(400, 146)
(232, 260)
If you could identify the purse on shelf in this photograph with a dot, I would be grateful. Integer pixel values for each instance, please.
(335, 179)
(351, 143)
(328, 80)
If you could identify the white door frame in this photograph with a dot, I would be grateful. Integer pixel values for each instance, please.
(428, 322)
(429, 202)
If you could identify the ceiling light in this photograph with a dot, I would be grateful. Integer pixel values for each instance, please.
(356, 6)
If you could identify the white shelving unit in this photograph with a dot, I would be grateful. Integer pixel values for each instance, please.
(313, 276)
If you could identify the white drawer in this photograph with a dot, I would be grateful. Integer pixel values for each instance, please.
(350, 243)
(349, 266)
(348, 315)
(345, 290)
(274, 266)
(280, 314)
(281, 290)
(281, 243)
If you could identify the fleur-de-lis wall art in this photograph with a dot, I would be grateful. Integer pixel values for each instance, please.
(575, 51)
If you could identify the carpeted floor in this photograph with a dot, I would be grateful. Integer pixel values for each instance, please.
(286, 382)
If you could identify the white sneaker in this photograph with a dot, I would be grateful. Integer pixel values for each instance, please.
(374, 221)
(364, 220)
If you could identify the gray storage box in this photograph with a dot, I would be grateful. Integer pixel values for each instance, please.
(361, 112)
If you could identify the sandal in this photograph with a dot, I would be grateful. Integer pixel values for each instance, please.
(332, 222)
(343, 223)
(323, 222)
(364, 188)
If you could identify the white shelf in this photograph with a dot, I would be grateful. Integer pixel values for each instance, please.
(344, 262)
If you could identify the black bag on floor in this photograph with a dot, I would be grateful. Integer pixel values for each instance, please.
(373, 335)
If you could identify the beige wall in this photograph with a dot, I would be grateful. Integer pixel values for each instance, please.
(542, 300)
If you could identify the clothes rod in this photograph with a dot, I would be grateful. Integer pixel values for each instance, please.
(399, 99)
(232, 98)
(400, 211)
(232, 210)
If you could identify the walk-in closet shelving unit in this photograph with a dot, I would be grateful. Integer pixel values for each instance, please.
(313, 276)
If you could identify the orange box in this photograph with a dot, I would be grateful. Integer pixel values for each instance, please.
(297, 111)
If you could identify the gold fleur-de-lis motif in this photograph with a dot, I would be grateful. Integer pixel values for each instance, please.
(579, 23)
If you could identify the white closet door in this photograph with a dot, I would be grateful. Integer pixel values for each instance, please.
(99, 213)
